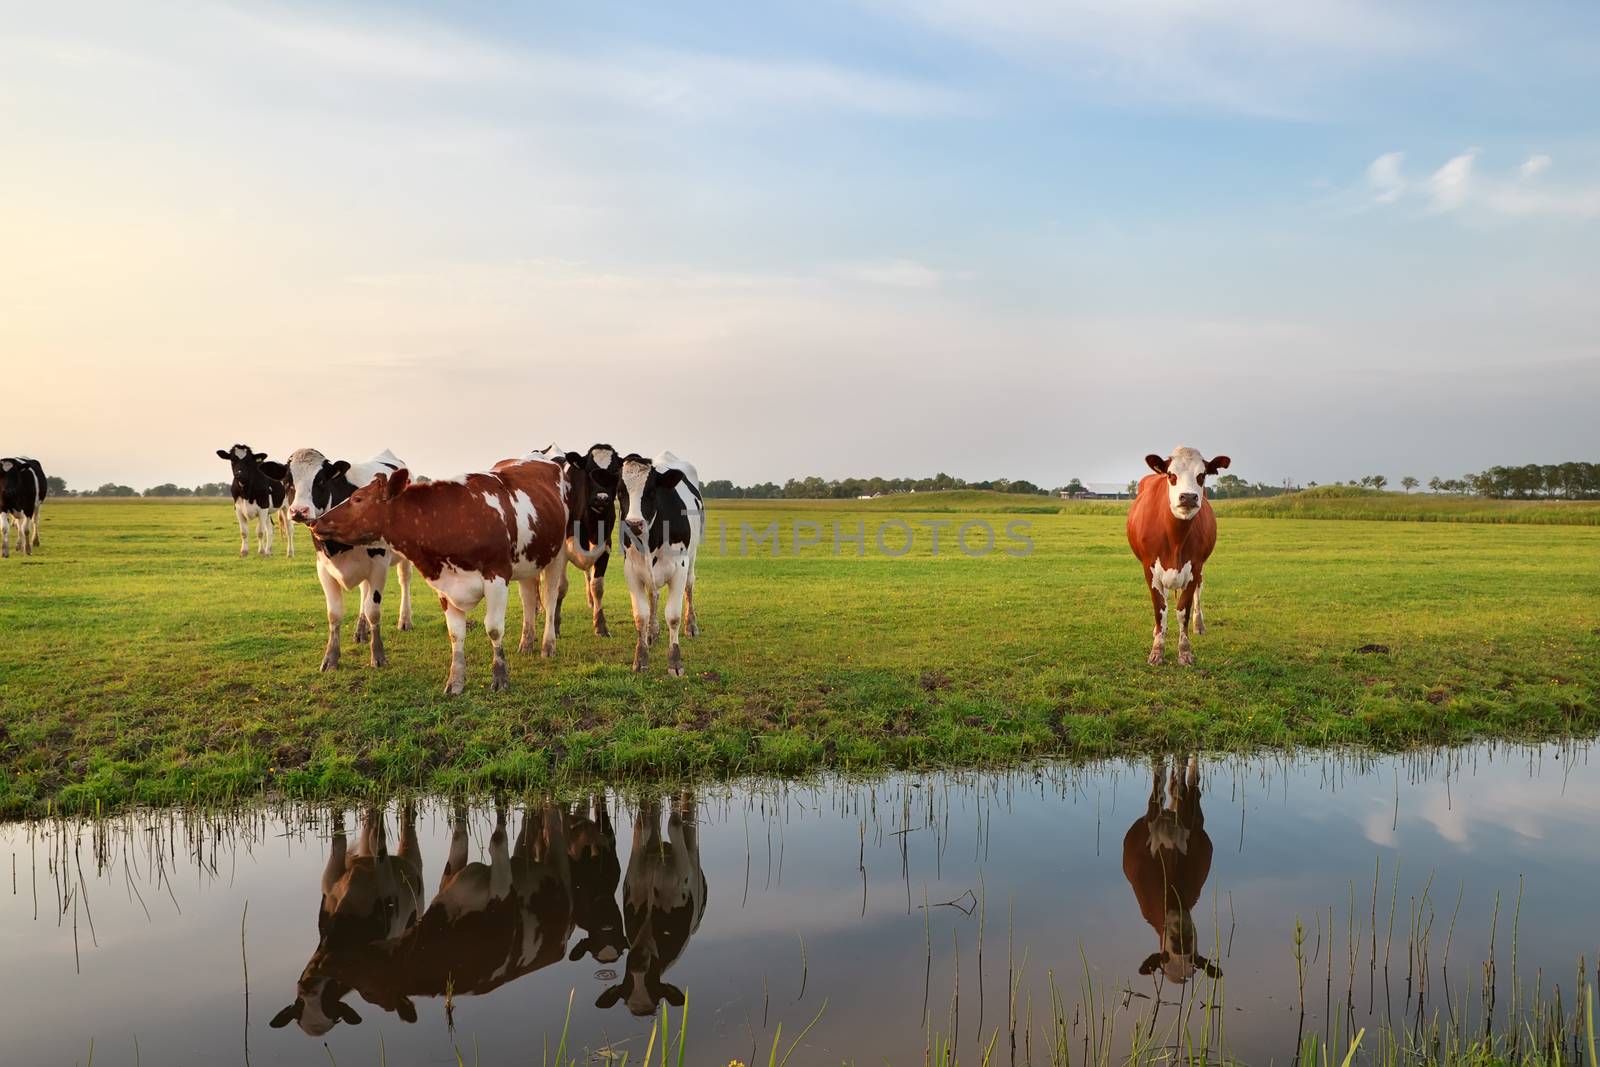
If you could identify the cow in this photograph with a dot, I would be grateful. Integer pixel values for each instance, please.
(1166, 857)
(370, 899)
(470, 537)
(1172, 529)
(592, 858)
(319, 484)
(488, 924)
(664, 521)
(593, 509)
(663, 901)
(23, 488)
(259, 493)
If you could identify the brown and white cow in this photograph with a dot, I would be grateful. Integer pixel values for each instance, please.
(1172, 529)
(470, 537)
(1166, 857)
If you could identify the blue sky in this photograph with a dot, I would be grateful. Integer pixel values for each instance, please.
(999, 238)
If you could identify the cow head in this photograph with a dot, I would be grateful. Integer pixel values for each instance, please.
(362, 519)
(1178, 958)
(1186, 471)
(318, 1005)
(641, 986)
(639, 482)
(318, 484)
(604, 467)
(246, 463)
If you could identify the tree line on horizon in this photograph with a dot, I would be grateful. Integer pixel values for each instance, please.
(1532, 481)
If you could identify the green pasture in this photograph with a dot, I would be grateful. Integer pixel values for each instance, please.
(142, 661)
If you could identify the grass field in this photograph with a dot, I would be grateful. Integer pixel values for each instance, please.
(142, 661)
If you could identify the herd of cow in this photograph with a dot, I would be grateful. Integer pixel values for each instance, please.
(525, 519)
(493, 922)
(471, 536)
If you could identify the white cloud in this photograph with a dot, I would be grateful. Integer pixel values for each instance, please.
(1459, 187)
(676, 82)
(1383, 174)
(898, 273)
(1450, 185)
(1535, 166)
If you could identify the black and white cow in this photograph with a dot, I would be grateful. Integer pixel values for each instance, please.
(664, 521)
(319, 484)
(22, 491)
(259, 493)
(592, 507)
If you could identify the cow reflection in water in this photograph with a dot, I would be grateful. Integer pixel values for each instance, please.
(663, 900)
(592, 852)
(1166, 857)
(488, 924)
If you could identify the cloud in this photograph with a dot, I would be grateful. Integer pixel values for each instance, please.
(1458, 187)
(1256, 57)
(676, 82)
(1383, 174)
(1450, 184)
(897, 273)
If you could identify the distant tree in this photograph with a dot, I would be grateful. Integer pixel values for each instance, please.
(1378, 481)
(58, 486)
(1075, 486)
(720, 488)
(1435, 484)
(213, 489)
(1022, 485)
(1409, 483)
(113, 489)
(168, 489)
(1133, 487)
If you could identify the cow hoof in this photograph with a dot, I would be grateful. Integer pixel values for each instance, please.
(641, 658)
(692, 629)
(455, 687)
(363, 632)
(1186, 658)
(675, 661)
(1199, 625)
(1156, 659)
(548, 650)
(380, 658)
(502, 680)
(600, 629)
(330, 662)
(405, 622)
(524, 647)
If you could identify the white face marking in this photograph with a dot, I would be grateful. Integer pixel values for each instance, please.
(1185, 468)
(303, 466)
(602, 457)
(634, 477)
(240, 451)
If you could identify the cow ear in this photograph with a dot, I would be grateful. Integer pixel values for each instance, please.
(287, 1015)
(578, 950)
(672, 994)
(669, 477)
(574, 458)
(1217, 463)
(222, 453)
(405, 1009)
(1156, 463)
(273, 469)
(397, 482)
(1211, 969)
(340, 466)
(347, 1013)
(260, 456)
(1151, 962)
(609, 997)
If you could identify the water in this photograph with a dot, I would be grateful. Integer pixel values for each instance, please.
(775, 903)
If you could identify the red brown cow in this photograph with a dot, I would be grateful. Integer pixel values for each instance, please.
(1172, 529)
(1166, 857)
(470, 537)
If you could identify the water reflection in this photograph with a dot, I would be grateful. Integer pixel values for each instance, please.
(1166, 857)
(1434, 892)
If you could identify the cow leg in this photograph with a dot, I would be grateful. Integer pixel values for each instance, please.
(405, 592)
(264, 532)
(333, 593)
(496, 592)
(244, 530)
(1185, 606)
(596, 581)
(455, 620)
(336, 855)
(561, 598)
(1199, 616)
(552, 581)
(372, 610)
(5, 535)
(1158, 644)
(528, 588)
(281, 517)
(363, 627)
(456, 859)
(641, 591)
(409, 857)
(691, 624)
(677, 583)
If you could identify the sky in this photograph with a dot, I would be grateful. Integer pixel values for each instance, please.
(998, 238)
